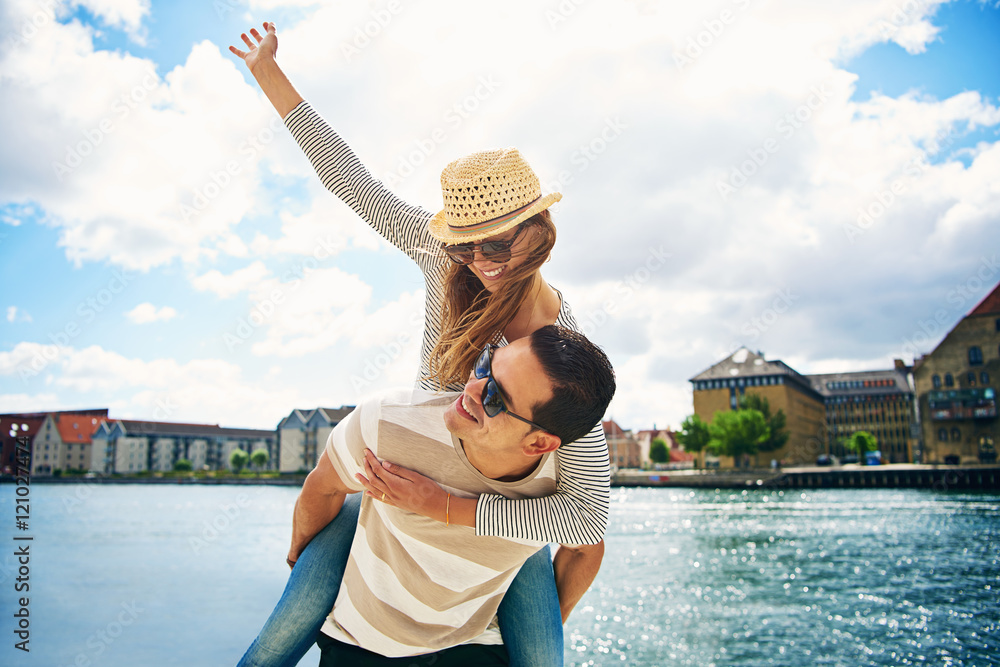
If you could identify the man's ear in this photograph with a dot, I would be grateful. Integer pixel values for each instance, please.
(540, 442)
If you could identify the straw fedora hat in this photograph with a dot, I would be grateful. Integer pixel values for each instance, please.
(486, 194)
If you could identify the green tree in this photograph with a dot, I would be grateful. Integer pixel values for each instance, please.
(658, 451)
(259, 458)
(694, 436)
(861, 442)
(183, 465)
(738, 433)
(238, 459)
(776, 423)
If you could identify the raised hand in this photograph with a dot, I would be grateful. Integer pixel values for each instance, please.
(265, 49)
(261, 63)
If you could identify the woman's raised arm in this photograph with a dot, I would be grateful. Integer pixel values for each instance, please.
(261, 63)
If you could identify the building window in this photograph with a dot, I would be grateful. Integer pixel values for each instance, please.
(971, 377)
(998, 323)
(984, 378)
(956, 435)
(943, 435)
(937, 381)
(975, 356)
(948, 380)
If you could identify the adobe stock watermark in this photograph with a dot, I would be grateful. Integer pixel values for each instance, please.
(102, 640)
(121, 109)
(224, 519)
(589, 152)
(87, 311)
(562, 12)
(224, 8)
(220, 179)
(43, 16)
(884, 199)
(713, 29)
(960, 296)
(387, 354)
(624, 290)
(786, 127)
(263, 310)
(755, 326)
(457, 114)
(364, 35)
(901, 16)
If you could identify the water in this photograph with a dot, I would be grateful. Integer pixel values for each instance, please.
(186, 575)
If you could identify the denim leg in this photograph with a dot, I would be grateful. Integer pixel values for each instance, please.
(530, 620)
(309, 595)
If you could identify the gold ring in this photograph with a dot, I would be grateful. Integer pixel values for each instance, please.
(383, 496)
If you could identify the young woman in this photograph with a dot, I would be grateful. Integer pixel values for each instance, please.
(480, 257)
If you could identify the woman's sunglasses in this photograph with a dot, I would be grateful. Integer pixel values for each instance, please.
(492, 399)
(491, 251)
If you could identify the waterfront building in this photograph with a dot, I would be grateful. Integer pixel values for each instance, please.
(956, 389)
(302, 436)
(623, 447)
(43, 461)
(63, 443)
(880, 402)
(720, 387)
(130, 446)
(678, 456)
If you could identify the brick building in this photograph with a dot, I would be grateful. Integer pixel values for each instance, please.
(956, 389)
(623, 448)
(720, 387)
(28, 425)
(879, 402)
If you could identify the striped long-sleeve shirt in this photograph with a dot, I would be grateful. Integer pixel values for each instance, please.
(577, 513)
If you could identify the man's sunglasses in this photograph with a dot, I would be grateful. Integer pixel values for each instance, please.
(492, 251)
(492, 399)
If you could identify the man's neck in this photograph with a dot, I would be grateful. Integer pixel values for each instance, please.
(501, 471)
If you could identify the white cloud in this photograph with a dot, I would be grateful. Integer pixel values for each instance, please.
(200, 391)
(15, 314)
(145, 313)
(238, 281)
(124, 14)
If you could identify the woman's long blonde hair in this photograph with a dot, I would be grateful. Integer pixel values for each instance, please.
(472, 316)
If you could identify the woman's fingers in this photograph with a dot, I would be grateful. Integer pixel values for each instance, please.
(246, 40)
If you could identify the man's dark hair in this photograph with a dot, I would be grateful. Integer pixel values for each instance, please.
(583, 382)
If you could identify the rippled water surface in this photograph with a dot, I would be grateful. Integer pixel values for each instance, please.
(185, 575)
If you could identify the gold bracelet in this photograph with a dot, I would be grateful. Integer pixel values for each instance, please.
(447, 511)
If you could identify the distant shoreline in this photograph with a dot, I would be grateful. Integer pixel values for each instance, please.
(899, 475)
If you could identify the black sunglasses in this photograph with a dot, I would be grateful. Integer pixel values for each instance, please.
(492, 399)
(492, 251)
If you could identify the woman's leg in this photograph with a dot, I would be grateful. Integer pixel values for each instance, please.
(312, 587)
(530, 620)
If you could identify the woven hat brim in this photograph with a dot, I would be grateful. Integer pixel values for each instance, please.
(439, 224)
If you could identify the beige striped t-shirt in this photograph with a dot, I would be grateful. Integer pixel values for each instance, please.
(414, 585)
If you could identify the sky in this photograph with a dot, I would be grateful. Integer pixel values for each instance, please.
(816, 181)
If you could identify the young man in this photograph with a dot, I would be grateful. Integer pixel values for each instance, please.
(414, 585)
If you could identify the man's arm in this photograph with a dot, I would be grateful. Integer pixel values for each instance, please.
(318, 504)
(575, 569)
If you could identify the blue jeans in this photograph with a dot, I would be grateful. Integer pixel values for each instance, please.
(529, 616)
